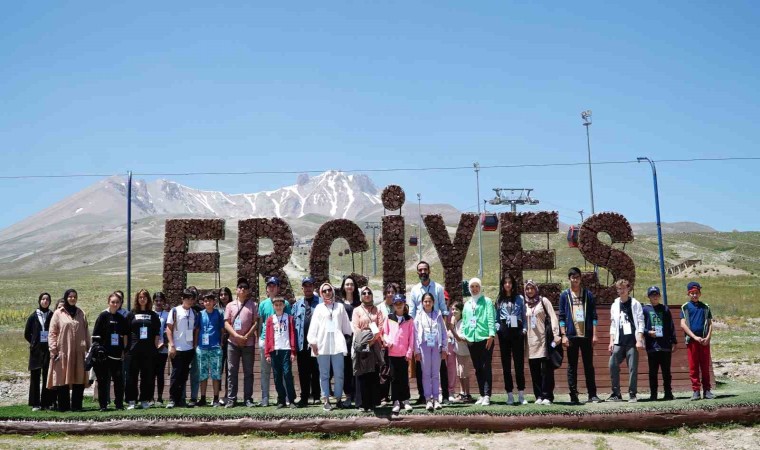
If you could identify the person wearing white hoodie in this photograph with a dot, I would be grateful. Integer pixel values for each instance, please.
(626, 338)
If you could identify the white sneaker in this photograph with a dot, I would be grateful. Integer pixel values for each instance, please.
(479, 401)
(407, 406)
(546, 402)
(145, 405)
(440, 397)
(429, 405)
(131, 405)
(486, 400)
(521, 398)
(510, 398)
(396, 407)
(539, 401)
(437, 405)
(452, 399)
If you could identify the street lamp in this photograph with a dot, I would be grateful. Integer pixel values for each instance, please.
(659, 227)
(586, 116)
(480, 228)
(419, 211)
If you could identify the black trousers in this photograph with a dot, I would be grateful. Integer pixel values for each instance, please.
(348, 377)
(180, 372)
(385, 388)
(542, 375)
(308, 375)
(367, 390)
(659, 360)
(111, 370)
(39, 395)
(144, 365)
(582, 344)
(159, 372)
(481, 361)
(418, 374)
(399, 378)
(444, 377)
(512, 348)
(70, 398)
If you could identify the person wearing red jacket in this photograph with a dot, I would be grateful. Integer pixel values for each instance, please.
(280, 347)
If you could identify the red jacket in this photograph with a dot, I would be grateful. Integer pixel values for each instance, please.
(269, 340)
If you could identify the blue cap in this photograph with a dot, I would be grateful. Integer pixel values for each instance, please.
(693, 285)
(653, 290)
(307, 280)
(399, 298)
(273, 280)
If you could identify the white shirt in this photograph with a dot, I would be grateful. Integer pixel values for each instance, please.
(328, 325)
(416, 297)
(281, 332)
(183, 331)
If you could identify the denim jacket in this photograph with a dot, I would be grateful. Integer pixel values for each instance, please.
(302, 314)
(518, 310)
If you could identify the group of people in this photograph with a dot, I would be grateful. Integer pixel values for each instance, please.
(349, 348)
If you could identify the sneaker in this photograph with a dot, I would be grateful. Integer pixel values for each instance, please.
(480, 401)
(486, 400)
(469, 399)
(614, 398)
(160, 400)
(594, 399)
(510, 398)
(632, 398)
(653, 397)
(407, 406)
(144, 405)
(215, 404)
(546, 401)
(396, 407)
(249, 403)
(454, 399)
(192, 403)
(521, 398)
(229, 404)
(539, 401)
(131, 406)
(709, 395)
(170, 405)
(668, 396)
(327, 406)
(202, 402)
(222, 402)
(293, 405)
(574, 399)
(340, 405)
(280, 406)
(302, 403)
(429, 405)
(36, 408)
(695, 396)
(264, 403)
(437, 405)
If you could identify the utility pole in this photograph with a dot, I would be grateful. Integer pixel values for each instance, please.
(521, 198)
(374, 226)
(586, 116)
(480, 228)
(129, 240)
(581, 213)
(419, 210)
(659, 226)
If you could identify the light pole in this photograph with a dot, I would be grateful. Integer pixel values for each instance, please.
(419, 210)
(480, 229)
(659, 227)
(129, 239)
(586, 116)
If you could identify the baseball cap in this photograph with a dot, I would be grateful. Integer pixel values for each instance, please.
(399, 298)
(307, 280)
(273, 280)
(653, 290)
(693, 285)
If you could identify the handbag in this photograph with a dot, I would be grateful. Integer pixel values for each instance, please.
(555, 353)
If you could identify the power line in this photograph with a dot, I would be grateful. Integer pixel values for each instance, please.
(369, 170)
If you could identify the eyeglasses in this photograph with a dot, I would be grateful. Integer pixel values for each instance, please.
(325, 291)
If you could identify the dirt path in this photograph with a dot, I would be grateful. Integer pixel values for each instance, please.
(734, 438)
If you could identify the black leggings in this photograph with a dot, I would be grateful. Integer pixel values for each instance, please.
(160, 373)
(512, 348)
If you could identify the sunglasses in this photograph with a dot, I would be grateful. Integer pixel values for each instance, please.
(367, 293)
(324, 291)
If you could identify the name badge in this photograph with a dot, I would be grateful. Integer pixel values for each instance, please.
(238, 324)
(579, 315)
(533, 322)
(373, 328)
(205, 339)
(43, 336)
(473, 322)
(189, 335)
(143, 332)
(114, 339)
(627, 328)
(429, 338)
(658, 330)
(278, 329)
(513, 321)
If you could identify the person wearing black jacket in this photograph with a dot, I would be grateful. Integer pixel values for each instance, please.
(111, 332)
(142, 351)
(660, 339)
(36, 334)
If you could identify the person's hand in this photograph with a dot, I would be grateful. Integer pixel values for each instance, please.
(417, 357)
(269, 359)
(314, 349)
(639, 343)
(698, 339)
(525, 331)
(389, 344)
(489, 343)
(609, 347)
(557, 339)
(408, 358)
(673, 348)
(594, 340)
(565, 341)
(444, 354)
(705, 342)
(172, 351)
(239, 339)
(653, 333)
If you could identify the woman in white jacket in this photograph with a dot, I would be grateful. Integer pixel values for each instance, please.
(329, 325)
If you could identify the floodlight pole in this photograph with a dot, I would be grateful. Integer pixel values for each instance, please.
(659, 227)
(586, 115)
(419, 210)
(129, 240)
(480, 228)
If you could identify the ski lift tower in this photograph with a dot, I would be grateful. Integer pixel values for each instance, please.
(513, 197)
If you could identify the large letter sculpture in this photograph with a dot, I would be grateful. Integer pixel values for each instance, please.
(452, 255)
(251, 264)
(319, 261)
(603, 255)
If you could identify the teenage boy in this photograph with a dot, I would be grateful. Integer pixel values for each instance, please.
(209, 352)
(696, 322)
(182, 332)
(660, 337)
(626, 338)
(280, 352)
(266, 309)
(578, 321)
(241, 320)
(308, 369)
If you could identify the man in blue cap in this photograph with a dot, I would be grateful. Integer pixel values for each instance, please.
(696, 322)
(308, 369)
(266, 309)
(660, 339)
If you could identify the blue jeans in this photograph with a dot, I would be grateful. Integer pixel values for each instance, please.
(324, 374)
(283, 376)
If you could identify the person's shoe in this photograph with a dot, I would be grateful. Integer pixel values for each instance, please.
(192, 403)
(429, 405)
(293, 405)
(708, 395)
(653, 397)
(510, 398)
(479, 401)
(249, 403)
(264, 403)
(131, 406)
(453, 399)
(437, 405)
(170, 405)
(396, 407)
(594, 399)
(521, 398)
(215, 404)
(574, 399)
(420, 401)
(486, 400)
(222, 402)
(280, 406)
(160, 400)
(302, 403)
(614, 398)
(202, 402)
(668, 396)
(144, 405)
(546, 401)
(539, 401)
(229, 404)
(327, 406)
(103, 409)
(632, 398)
(695, 396)
(36, 408)
(407, 406)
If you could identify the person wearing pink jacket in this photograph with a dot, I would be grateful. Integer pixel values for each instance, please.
(398, 334)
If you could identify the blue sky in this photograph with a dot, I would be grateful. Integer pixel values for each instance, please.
(101, 87)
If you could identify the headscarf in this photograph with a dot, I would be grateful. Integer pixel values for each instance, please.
(331, 287)
(534, 300)
(39, 302)
(476, 281)
(71, 309)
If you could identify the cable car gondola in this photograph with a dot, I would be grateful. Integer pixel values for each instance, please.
(489, 222)
(572, 236)
(413, 241)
